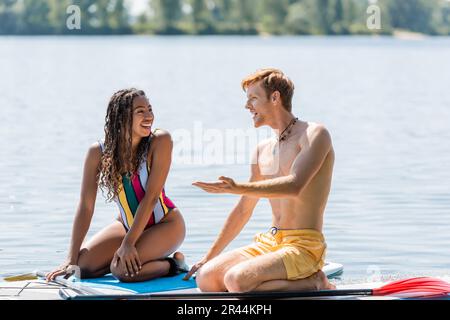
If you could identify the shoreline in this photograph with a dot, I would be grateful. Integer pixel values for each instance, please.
(396, 33)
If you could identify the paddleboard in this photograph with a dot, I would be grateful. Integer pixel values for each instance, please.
(110, 285)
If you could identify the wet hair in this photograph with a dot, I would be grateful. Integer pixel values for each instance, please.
(117, 157)
(272, 80)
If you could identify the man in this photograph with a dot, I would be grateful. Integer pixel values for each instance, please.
(294, 172)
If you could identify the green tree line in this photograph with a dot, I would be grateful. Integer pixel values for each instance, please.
(278, 17)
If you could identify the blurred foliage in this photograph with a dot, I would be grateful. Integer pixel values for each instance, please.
(279, 17)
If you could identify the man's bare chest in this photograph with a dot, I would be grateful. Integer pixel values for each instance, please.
(277, 158)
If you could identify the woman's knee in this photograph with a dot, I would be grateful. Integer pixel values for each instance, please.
(85, 266)
(179, 226)
(120, 274)
(88, 267)
(169, 234)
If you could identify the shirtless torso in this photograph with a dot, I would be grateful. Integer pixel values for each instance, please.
(275, 159)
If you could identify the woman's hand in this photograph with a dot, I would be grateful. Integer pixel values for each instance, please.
(128, 258)
(195, 267)
(63, 269)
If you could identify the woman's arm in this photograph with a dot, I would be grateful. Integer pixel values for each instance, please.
(85, 209)
(86, 205)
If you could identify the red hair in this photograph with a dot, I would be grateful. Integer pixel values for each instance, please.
(272, 80)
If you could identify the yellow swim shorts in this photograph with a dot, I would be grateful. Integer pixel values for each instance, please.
(302, 251)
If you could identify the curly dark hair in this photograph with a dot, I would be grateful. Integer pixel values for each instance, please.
(117, 158)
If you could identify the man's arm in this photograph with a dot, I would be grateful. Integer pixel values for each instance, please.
(235, 222)
(239, 216)
(305, 166)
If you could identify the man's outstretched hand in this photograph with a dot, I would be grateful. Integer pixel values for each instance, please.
(225, 185)
(194, 269)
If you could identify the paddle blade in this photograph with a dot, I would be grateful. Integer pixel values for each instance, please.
(415, 287)
(22, 277)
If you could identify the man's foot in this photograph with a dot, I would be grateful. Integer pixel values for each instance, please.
(321, 282)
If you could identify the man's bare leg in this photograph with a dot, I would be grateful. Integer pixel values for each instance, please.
(267, 273)
(210, 277)
(317, 281)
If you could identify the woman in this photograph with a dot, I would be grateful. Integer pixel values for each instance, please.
(131, 165)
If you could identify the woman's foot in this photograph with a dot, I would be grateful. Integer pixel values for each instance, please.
(177, 264)
(179, 257)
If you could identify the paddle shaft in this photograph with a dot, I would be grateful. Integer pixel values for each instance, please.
(228, 295)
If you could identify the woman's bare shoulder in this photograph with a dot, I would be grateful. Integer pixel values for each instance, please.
(94, 153)
(162, 137)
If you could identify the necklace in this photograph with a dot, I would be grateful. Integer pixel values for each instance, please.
(283, 136)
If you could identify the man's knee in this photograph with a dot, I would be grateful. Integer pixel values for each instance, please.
(236, 280)
(209, 279)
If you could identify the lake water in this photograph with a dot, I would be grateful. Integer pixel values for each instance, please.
(385, 101)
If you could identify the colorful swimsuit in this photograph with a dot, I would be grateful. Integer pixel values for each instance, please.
(131, 193)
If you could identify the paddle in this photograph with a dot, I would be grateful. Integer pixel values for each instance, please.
(59, 280)
(22, 277)
(414, 287)
(419, 287)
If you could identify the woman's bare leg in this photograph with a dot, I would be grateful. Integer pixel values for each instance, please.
(95, 257)
(155, 244)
